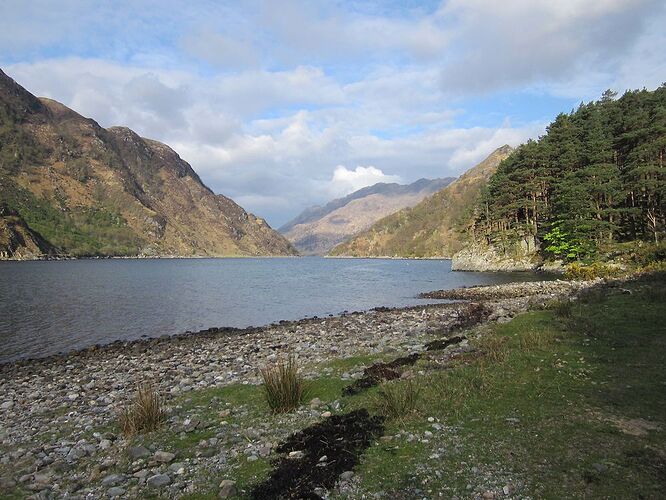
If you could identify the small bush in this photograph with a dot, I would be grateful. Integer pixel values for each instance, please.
(578, 271)
(397, 399)
(144, 414)
(284, 386)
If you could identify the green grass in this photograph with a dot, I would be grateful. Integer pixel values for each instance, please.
(543, 419)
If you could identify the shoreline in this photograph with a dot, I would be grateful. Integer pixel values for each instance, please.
(57, 414)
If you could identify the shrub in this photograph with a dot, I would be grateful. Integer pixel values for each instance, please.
(144, 413)
(397, 399)
(578, 271)
(284, 386)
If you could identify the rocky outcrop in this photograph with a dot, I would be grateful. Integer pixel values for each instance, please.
(318, 229)
(18, 241)
(95, 191)
(519, 256)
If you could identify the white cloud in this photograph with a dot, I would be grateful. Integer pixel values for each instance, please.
(345, 181)
(497, 45)
(265, 98)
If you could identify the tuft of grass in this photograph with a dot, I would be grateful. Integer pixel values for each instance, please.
(284, 386)
(563, 308)
(145, 413)
(397, 399)
(494, 347)
(534, 339)
(454, 391)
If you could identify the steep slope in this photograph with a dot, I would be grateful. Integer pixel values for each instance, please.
(92, 191)
(18, 241)
(318, 229)
(431, 228)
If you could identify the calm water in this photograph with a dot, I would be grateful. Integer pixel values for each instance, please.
(51, 307)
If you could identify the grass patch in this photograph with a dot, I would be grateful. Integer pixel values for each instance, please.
(548, 416)
(145, 413)
(397, 399)
(284, 386)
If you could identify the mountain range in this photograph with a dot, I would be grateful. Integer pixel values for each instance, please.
(71, 187)
(318, 229)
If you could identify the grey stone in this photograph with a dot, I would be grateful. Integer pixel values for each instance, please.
(136, 452)
(112, 480)
(164, 456)
(227, 489)
(116, 491)
(347, 475)
(158, 480)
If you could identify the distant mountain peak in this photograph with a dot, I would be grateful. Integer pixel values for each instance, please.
(317, 229)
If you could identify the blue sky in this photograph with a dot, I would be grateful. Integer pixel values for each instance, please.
(281, 105)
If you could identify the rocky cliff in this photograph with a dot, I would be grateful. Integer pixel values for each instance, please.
(521, 255)
(94, 191)
(318, 229)
(432, 228)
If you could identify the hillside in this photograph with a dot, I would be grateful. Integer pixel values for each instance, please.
(318, 229)
(93, 191)
(429, 229)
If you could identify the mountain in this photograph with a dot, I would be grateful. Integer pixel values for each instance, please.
(87, 190)
(318, 229)
(430, 228)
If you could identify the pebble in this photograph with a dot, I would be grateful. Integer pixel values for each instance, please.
(227, 488)
(159, 480)
(164, 456)
(136, 452)
(347, 475)
(116, 491)
(112, 480)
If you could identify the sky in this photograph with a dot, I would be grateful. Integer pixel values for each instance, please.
(284, 104)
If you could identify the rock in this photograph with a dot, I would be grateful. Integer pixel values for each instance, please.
(600, 468)
(164, 456)
(178, 468)
(159, 480)
(252, 458)
(264, 451)
(227, 489)
(7, 405)
(112, 480)
(136, 452)
(75, 454)
(488, 495)
(105, 444)
(315, 403)
(326, 414)
(506, 490)
(347, 475)
(116, 491)
(295, 455)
